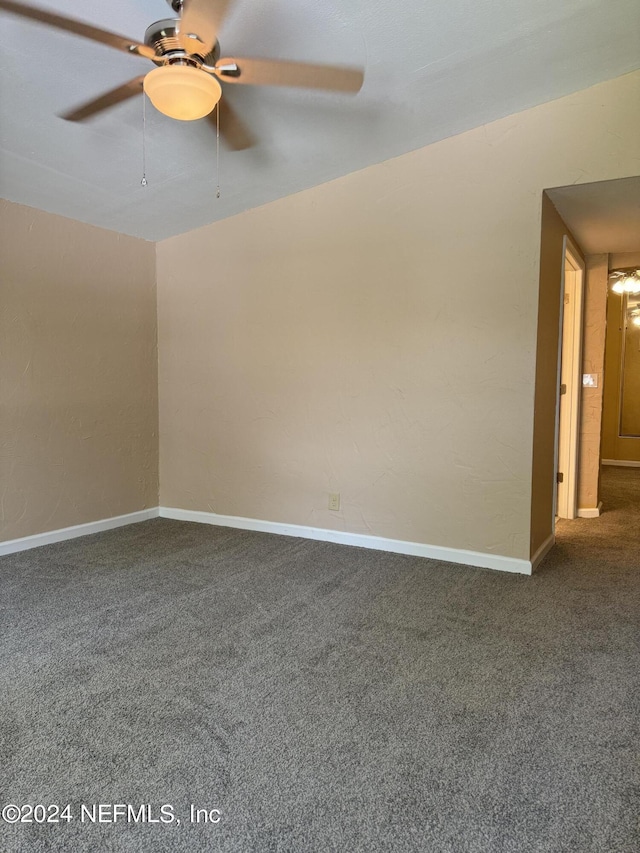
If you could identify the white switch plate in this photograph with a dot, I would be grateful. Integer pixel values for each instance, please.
(590, 380)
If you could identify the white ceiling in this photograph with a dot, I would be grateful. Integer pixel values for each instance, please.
(433, 68)
(603, 216)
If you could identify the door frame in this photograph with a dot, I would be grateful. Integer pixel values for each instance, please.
(567, 427)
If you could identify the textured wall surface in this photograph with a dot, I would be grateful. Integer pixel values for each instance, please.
(595, 323)
(376, 336)
(78, 373)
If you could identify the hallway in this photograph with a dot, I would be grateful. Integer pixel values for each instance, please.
(609, 544)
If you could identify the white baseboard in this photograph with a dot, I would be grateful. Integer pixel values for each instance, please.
(378, 543)
(11, 546)
(542, 551)
(590, 511)
(623, 463)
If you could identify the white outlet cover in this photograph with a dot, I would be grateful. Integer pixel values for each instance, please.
(590, 380)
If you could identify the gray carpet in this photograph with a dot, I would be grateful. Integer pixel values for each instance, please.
(324, 698)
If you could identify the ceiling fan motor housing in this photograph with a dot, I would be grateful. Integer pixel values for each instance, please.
(163, 37)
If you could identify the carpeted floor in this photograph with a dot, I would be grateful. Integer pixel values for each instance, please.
(323, 698)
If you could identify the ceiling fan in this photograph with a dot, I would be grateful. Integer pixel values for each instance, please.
(185, 83)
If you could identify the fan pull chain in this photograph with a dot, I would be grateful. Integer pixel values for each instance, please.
(218, 150)
(143, 182)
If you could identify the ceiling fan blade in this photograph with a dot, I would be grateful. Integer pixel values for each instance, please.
(201, 22)
(235, 132)
(275, 72)
(109, 99)
(79, 28)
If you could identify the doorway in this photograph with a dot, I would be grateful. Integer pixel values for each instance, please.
(621, 409)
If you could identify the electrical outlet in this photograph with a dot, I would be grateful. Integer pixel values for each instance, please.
(334, 501)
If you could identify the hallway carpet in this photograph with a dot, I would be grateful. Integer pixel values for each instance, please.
(321, 697)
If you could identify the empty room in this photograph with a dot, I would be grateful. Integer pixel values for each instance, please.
(319, 426)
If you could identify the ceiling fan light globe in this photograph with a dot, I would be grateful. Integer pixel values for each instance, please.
(182, 92)
(632, 283)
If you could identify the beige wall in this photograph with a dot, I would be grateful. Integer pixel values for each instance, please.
(595, 322)
(614, 446)
(376, 336)
(78, 373)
